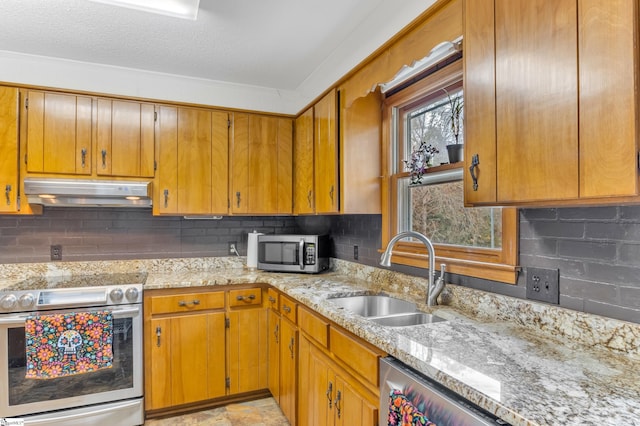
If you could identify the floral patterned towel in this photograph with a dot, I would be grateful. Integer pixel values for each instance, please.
(402, 412)
(65, 344)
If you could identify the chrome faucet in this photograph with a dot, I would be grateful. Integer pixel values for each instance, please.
(385, 260)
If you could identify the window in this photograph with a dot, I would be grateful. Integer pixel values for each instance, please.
(480, 242)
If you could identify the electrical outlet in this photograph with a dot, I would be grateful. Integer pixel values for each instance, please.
(543, 285)
(233, 247)
(355, 252)
(56, 252)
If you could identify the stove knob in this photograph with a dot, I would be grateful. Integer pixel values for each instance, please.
(116, 294)
(132, 294)
(26, 300)
(8, 301)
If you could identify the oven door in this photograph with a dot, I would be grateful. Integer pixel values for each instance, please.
(20, 396)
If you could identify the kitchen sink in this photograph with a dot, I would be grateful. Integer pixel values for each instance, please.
(374, 306)
(406, 320)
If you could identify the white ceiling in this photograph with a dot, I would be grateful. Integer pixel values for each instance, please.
(290, 49)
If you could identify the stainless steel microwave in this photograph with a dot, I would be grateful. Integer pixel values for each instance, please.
(293, 253)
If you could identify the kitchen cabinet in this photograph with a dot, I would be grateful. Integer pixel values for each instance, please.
(246, 342)
(184, 348)
(303, 168)
(261, 164)
(283, 353)
(59, 133)
(326, 154)
(192, 162)
(551, 114)
(334, 398)
(125, 138)
(339, 372)
(9, 149)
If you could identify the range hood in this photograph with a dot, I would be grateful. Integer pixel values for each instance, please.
(87, 193)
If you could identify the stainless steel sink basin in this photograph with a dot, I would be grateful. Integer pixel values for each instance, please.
(406, 320)
(374, 306)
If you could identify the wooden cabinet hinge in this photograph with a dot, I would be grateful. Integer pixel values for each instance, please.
(18, 203)
(638, 160)
(155, 165)
(228, 124)
(26, 103)
(155, 115)
(227, 382)
(25, 159)
(227, 323)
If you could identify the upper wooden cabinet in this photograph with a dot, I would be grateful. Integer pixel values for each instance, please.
(192, 162)
(261, 164)
(551, 113)
(125, 138)
(59, 128)
(9, 150)
(303, 169)
(326, 154)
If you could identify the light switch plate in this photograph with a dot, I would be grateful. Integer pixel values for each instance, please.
(543, 285)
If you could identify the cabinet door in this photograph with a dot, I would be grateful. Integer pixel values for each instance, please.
(159, 375)
(608, 60)
(351, 408)
(288, 370)
(274, 354)
(247, 350)
(326, 154)
(58, 133)
(192, 162)
(8, 149)
(261, 165)
(479, 101)
(536, 100)
(321, 390)
(303, 188)
(125, 138)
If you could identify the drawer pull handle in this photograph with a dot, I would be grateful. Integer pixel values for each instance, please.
(194, 302)
(247, 299)
(286, 308)
(337, 403)
(329, 392)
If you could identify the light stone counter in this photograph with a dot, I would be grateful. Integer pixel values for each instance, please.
(528, 363)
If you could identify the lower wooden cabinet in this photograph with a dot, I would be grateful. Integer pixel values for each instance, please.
(333, 396)
(247, 350)
(184, 349)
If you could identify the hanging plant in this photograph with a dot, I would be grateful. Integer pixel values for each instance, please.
(419, 161)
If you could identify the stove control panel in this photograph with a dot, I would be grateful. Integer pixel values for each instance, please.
(77, 297)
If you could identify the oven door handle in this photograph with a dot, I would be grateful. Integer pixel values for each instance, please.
(19, 319)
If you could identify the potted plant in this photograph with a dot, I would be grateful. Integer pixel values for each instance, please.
(419, 161)
(454, 123)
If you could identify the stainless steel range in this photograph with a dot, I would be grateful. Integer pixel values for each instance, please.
(108, 396)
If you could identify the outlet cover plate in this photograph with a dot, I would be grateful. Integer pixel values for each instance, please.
(543, 285)
(56, 252)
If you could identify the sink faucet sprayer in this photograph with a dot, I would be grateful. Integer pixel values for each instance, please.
(433, 290)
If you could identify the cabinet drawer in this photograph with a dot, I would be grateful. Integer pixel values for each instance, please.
(273, 299)
(314, 326)
(245, 297)
(288, 308)
(355, 354)
(187, 302)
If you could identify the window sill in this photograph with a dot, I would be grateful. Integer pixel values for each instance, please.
(473, 268)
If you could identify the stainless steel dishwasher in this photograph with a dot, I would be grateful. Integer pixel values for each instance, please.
(405, 394)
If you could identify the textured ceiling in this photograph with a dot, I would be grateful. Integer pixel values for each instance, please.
(267, 43)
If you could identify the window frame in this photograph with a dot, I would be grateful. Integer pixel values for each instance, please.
(493, 264)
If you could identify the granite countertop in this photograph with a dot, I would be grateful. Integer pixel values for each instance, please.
(523, 376)
(526, 362)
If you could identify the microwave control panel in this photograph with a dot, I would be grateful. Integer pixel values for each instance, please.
(310, 254)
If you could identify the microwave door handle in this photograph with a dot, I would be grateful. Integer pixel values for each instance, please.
(301, 253)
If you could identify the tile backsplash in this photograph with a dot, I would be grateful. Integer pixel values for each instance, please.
(597, 249)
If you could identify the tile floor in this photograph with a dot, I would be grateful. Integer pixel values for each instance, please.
(262, 412)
